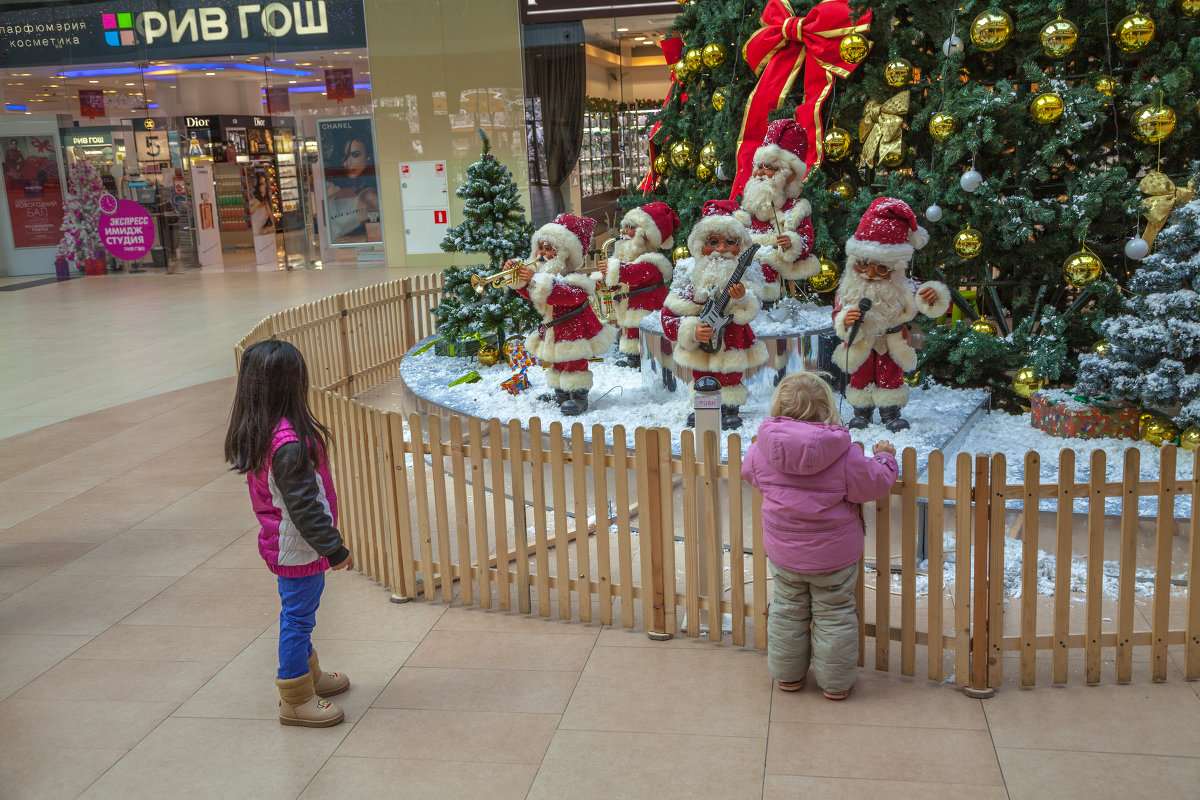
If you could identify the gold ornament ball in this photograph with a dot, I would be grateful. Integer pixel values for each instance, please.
(1153, 123)
(713, 55)
(682, 155)
(985, 327)
(843, 191)
(1026, 382)
(1159, 431)
(1189, 8)
(488, 356)
(854, 48)
(694, 59)
(1082, 268)
(705, 173)
(898, 72)
(894, 158)
(662, 164)
(1190, 438)
(683, 72)
(679, 253)
(1134, 32)
(708, 155)
(1101, 348)
(968, 243)
(1059, 38)
(837, 143)
(1046, 108)
(719, 98)
(827, 279)
(991, 30)
(1106, 85)
(943, 126)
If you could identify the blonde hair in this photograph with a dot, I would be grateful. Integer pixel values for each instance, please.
(805, 396)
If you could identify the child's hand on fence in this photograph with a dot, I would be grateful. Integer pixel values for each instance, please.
(884, 446)
(348, 564)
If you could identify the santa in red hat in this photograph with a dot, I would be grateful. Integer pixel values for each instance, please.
(880, 353)
(570, 333)
(773, 211)
(639, 275)
(716, 242)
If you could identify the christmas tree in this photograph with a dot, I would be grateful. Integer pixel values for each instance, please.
(81, 217)
(1152, 357)
(494, 223)
(1024, 132)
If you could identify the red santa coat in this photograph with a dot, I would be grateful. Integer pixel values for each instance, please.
(647, 270)
(740, 350)
(795, 262)
(583, 336)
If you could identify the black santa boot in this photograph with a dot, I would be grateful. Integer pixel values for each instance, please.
(730, 421)
(576, 403)
(630, 360)
(890, 416)
(559, 397)
(862, 417)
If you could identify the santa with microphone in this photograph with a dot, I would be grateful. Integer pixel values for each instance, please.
(874, 302)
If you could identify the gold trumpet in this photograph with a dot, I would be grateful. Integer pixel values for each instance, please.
(505, 277)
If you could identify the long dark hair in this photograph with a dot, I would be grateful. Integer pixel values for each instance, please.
(272, 386)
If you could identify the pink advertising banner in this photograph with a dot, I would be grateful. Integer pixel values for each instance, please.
(31, 182)
(126, 228)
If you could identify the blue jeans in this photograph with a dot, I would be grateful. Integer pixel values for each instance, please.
(299, 598)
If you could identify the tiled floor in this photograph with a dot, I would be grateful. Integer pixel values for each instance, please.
(137, 629)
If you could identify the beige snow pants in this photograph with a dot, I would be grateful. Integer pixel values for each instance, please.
(827, 601)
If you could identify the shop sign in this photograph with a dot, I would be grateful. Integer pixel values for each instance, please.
(198, 122)
(87, 139)
(339, 84)
(31, 183)
(126, 228)
(115, 30)
(91, 103)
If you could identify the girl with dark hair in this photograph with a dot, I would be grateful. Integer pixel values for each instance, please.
(275, 441)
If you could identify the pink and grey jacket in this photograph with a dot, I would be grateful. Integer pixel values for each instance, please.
(813, 480)
(297, 512)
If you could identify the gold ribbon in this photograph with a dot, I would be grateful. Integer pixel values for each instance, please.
(1161, 198)
(880, 129)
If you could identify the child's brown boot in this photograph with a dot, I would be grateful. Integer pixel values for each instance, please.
(299, 705)
(326, 684)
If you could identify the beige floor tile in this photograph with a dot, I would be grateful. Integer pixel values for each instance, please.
(512, 651)
(204, 510)
(98, 514)
(482, 689)
(219, 758)
(354, 607)
(18, 506)
(168, 643)
(371, 778)
(451, 735)
(203, 610)
(86, 724)
(875, 751)
(882, 699)
(237, 556)
(672, 691)
(457, 618)
(789, 787)
(1067, 775)
(607, 765)
(228, 482)
(256, 581)
(245, 688)
(23, 657)
(76, 604)
(32, 773)
(629, 637)
(1101, 718)
(121, 681)
(144, 552)
(40, 554)
(188, 465)
(14, 579)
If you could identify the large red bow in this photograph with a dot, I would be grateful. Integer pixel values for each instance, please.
(672, 48)
(778, 51)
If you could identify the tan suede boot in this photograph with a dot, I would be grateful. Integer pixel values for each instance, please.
(299, 705)
(326, 684)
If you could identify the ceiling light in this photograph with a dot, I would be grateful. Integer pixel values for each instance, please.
(639, 38)
(291, 81)
(622, 30)
(93, 81)
(131, 84)
(53, 85)
(210, 73)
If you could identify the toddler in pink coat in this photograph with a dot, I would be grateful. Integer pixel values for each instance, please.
(813, 480)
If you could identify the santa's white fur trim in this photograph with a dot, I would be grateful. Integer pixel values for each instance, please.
(890, 397)
(746, 309)
(774, 154)
(918, 238)
(552, 376)
(630, 317)
(540, 287)
(743, 216)
(736, 395)
(562, 240)
(859, 398)
(687, 333)
(630, 347)
(938, 307)
(792, 218)
(612, 275)
(575, 380)
(895, 256)
(901, 351)
(724, 360)
(850, 360)
(840, 328)
(800, 269)
(723, 224)
(681, 306)
(640, 219)
(769, 292)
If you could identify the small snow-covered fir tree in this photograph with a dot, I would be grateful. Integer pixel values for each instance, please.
(1155, 357)
(494, 223)
(81, 217)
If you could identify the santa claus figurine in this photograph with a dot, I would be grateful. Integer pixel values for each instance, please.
(716, 242)
(570, 333)
(774, 213)
(875, 350)
(639, 274)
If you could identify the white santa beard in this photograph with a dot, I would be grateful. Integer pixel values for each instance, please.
(627, 250)
(711, 274)
(760, 193)
(554, 266)
(887, 300)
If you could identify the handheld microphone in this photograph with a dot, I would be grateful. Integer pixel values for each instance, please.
(864, 306)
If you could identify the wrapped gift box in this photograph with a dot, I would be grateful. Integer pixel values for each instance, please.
(1067, 415)
(517, 383)
(518, 357)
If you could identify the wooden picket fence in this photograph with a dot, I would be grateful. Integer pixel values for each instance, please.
(612, 526)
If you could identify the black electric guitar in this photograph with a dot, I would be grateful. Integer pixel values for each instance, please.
(714, 314)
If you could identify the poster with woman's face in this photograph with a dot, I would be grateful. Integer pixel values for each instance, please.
(351, 188)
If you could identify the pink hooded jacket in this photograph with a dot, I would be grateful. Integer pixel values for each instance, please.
(813, 480)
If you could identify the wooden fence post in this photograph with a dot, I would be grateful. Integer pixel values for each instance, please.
(654, 597)
(406, 313)
(979, 591)
(344, 335)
